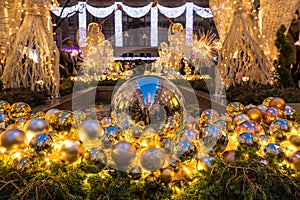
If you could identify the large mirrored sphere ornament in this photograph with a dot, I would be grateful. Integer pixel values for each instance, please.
(150, 99)
(123, 153)
(90, 132)
(13, 139)
(20, 111)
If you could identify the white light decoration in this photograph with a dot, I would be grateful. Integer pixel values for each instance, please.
(189, 23)
(118, 28)
(154, 26)
(171, 12)
(202, 12)
(82, 23)
(101, 12)
(136, 12)
(67, 12)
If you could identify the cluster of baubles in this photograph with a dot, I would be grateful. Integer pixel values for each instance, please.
(166, 153)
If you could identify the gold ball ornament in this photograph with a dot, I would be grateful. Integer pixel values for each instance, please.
(167, 175)
(249, 127)
(208, 119)
(295, 140)
(279, 129)
(123, 153)
(185, 151)
(290, 113)
(267, 101)
(272, 114)
(262, 107)
(71, 151)
(255, 114)
(34, 126)
(20, 111)
(41, 142)
(50, 114)
(210, 112)
(239, 118)
(4, 107)
(13, 139)
(211, 135)
(152, 159)
(234, 108)
(79, 117)
(62, 120)
(39, 114)
(90, 132)
(277, 102)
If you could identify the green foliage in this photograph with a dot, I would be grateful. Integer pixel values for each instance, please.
(32, 98)
(246, 178)
(285, 58)
(247, 95)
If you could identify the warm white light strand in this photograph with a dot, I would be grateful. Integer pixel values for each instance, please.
(154, 26)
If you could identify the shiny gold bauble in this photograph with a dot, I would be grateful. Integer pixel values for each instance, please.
(79, 117)
(210, 112)
(123, 153)
(234, 108)
(266, 102)
(90, 132)
(4, 107)
(62, 120)
(41, 142)
(96, 155)
(272, 114)
(106, 121)
(71, 151)
(208, 119)
(279, 129)
(211, 135)
(277, 102)
(50, 114)
(249, 127)
(39, 114)
(189, 134)
(167, 175)
(239, 118)
(262, 107)
(290, 113)
(34, 126)
(152, 159)
(295, 140)
(20, 111)
(13, 139)
(185, 151)
(255, 114)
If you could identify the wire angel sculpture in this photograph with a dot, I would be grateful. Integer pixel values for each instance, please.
(33, 59)
(98, 53)
(242, 58)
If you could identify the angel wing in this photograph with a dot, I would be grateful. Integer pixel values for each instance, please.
(223, 15)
